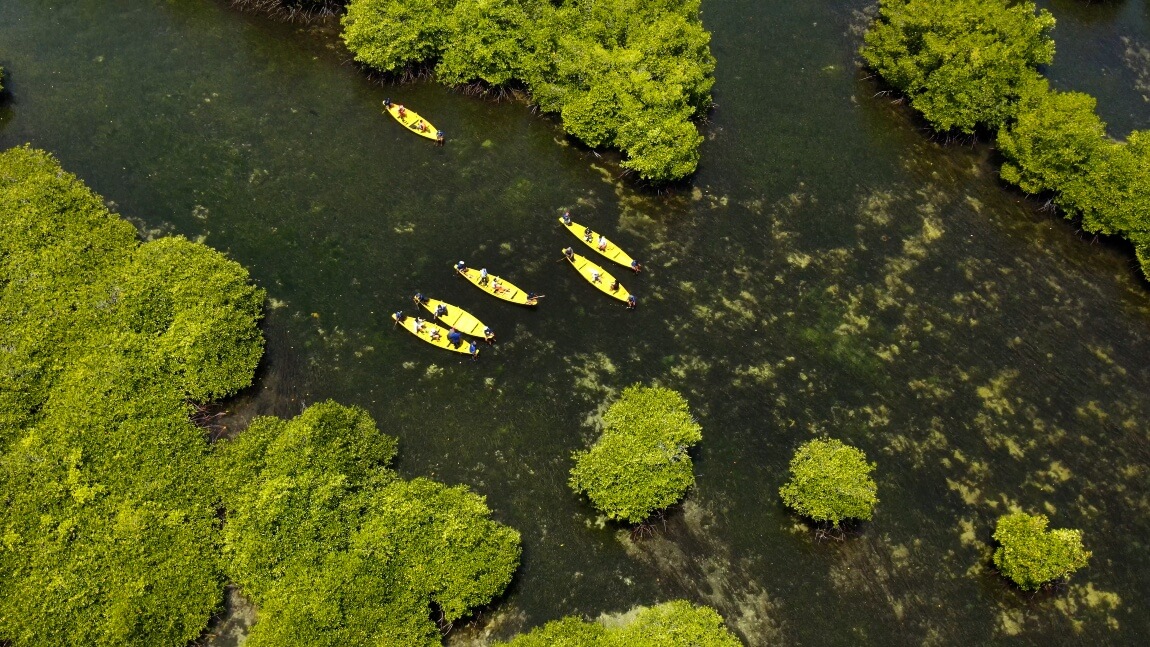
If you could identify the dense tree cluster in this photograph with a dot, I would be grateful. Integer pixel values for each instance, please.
(971, 64)
(109, 495)
(962, 63)
(640, 464)
(1057, 144)
(630, 74)
(830, 482)
(109, 525)
(1032, 556)
(671, 624)
(337, 549)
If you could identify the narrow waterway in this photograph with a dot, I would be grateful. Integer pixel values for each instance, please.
(830, 270)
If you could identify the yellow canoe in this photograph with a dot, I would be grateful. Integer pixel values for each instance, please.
(611, 251)
(410, 120)
(596, 276)
(506, 290)
(456, 318)
(424, 333)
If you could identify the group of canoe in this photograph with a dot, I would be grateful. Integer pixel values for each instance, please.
(461, 323)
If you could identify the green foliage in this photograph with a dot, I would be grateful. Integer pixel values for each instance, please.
(640, 463)
(962, 63)
(337, 549)
(1032, 556)
(1054, 140)
(671, 624)
(622, 73)
(830, 482)
(109, 533)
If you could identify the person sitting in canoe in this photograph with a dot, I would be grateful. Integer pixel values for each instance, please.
(419, 299)
(454, 337)
(439, 137)
(401, 111)
(460, 267)
(615, 285)
(420, 126)
(587, 233)
(567, 218)
(636, 267)
(440, 311)
(418, 325)
(489, 336)
(595, 276)
(533, 298)
(602, 243)
(399, 317)
(569, 253)
(496, 286)
(631, 302)
(474, 350)
(483, 276)
(434, 334)
(387, 103)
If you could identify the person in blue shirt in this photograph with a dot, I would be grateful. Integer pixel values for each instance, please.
(399, 317)
(455, 337)
(419, 299)
(460, 267)
(631, 302)
(440, 311)
(489, 336)
(567, 218)
(440, 136)
(636, 267)
(474, 350)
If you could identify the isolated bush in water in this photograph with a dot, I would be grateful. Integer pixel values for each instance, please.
(1031, 556)
(830, 482)
(630, 74)
(963, 63)
(110, 533)
(337, 549)
(671, 624)
(640, 464)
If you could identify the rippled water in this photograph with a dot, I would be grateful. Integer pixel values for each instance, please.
(830, 270)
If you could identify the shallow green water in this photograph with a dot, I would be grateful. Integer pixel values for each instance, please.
(829, 270)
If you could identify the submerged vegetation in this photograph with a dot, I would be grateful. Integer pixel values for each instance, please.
(973, 64)
(109, 493)
(640, 464)
(1032, 556)
(671, 624)
(628, 74)
(830, 482)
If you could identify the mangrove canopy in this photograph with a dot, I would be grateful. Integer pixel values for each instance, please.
(640, 464)
(626, 74)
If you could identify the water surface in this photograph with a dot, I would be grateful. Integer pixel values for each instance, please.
(830, 270)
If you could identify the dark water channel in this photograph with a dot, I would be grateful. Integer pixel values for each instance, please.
(830, 270)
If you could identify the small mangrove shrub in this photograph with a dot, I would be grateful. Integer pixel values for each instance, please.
(1032, 556)
(640, 464)
(830, 482)
(671, 624)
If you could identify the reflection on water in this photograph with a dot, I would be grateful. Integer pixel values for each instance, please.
(829, 271)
